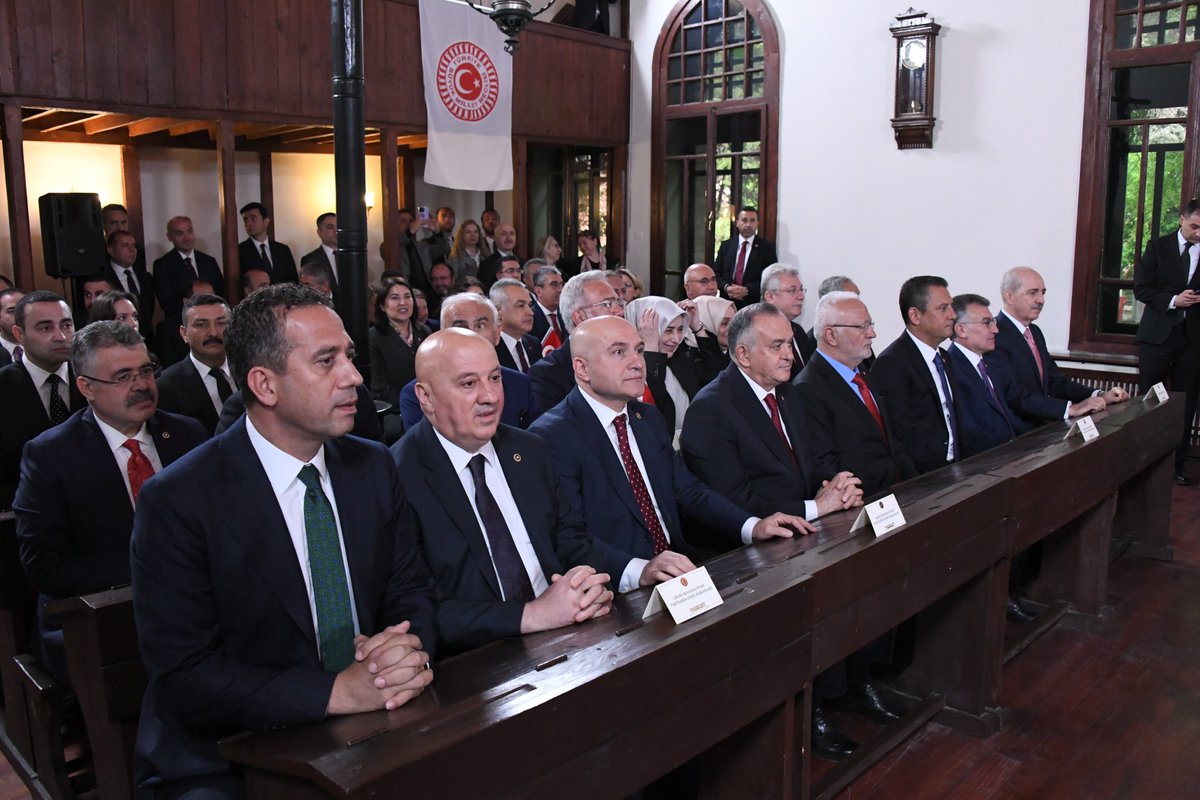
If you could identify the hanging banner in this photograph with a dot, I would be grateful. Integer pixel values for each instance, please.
(468, 97)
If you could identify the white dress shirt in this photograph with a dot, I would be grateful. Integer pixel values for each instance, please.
(258, 247)
(116, 442)
(513, 345)
(123, 278)
(331, 254)
(192, 255)
(39, 377)
(498, 485)
(283, 473)
(810, 506)
(210, 383)
(9, 346)
(1193, 255)
(927, 354)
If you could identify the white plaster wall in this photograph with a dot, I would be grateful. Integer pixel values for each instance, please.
(998, 189)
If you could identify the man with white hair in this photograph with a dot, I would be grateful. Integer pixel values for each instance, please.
(783, 288)
(840, 283)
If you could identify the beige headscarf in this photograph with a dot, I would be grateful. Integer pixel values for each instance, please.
(711, 310)
(668, 311)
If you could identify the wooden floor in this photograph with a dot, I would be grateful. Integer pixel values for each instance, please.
(1091, 711)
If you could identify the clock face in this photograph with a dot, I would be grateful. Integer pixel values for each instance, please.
(912, 54)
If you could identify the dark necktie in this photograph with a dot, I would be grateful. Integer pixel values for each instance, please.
(940, 364)
(554, 324)
(640, 493)
(1185, 259)
(987, 381)
(266, 257)
(777, 421)
(223, 387)
(799, 357)
(514, 580)
(191, 267)
(17, 354)
(132, 283)
(139, 468)
(865, 392)
(331, 592)
(740, 271)
(58, 409)
(521, 357)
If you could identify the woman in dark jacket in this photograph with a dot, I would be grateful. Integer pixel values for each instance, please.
(394, 339)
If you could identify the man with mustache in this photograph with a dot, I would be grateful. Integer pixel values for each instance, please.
(200, 384)
(80, 480)
(38, 391)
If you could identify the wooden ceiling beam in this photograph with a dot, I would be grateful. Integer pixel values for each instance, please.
(151, 125)
(305, 135)
(54, 120)
(261, 131)
(78, 118)
(191, 126)
(103, 123)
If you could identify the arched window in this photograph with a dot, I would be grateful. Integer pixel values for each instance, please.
(715, 107)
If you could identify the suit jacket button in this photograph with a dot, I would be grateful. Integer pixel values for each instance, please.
(517, 457)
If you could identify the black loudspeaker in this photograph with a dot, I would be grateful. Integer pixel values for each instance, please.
(72, 234)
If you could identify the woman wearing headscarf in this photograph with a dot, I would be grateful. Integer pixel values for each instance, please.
(712, 339)
(671, 374)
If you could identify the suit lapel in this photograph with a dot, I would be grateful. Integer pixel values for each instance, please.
(852, 397)
(1018, 344)
(755, 414)
(96, 453)
(529, 493)
(170, 447)
(600, 446)
(658, 473)
(446, 487)
(924, 375)
(358, 532)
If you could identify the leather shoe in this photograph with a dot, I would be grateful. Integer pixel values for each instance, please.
(827, 741)
(1181, 479)
(1015, 613)
(866, 699)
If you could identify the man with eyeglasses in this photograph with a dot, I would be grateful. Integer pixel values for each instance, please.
(912, 375)
(845, 414)
(38, 390)
(199, 385)
(699, 280)
(80, 480)
(783, 288)
(584, 296)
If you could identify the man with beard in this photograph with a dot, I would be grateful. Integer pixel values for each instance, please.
(201, 383)
(80, 480)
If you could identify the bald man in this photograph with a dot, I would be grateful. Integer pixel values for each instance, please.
(611, 449)
(698, 280)
(509, 553)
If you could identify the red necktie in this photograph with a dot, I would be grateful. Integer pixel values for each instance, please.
(640, 493)
(1037, 356)
(521, 357)
(777, 421)
(861, 383)
(741, 263)
(139, 468)
(554, 324)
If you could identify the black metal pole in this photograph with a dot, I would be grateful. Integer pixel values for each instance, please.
(349, 163)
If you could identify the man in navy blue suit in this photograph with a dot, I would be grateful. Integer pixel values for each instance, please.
(80, 480)
(475, 313)
(614, 456)
(510, 555)
(517, 348)
(276, 574)
(741, 260)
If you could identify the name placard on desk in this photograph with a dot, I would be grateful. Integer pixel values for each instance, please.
(1157, 392)
(685, 597)
(884, 516)
(1086, 427)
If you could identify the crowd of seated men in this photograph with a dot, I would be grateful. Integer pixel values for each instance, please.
(551, 440)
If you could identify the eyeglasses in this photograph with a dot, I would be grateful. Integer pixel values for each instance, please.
(126, 377)
(703, 281)
(987, 322)
(609, 304)
(869, 325)
(790, 290)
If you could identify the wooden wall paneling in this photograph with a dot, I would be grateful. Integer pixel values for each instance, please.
(101, 64)
(316, 82)
(377, 89)
(245, 28)
(390, 176)
(8, 48)
(214, 69)
(161, 54)
(289, 61)
(190, 42)
(227, 201)
(66, 56)
(261, 17)
(408, 180)
(131, 183)
(33, 43)
(18, 196)
(266, 192)
(137, 24)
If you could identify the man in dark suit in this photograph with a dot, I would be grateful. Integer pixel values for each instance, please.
(1037, 391)
(176, 271)
(115, 217)
(1166, 281)
(326, 252)
(276, 574)
(506, 244)
(742, 259)
(475, 313)
(614, 456)
(583, 297)
(849, 421)
(508, 553)
(547, 289)
(8, 342)
(912, 375)
(80, 480)
(517, 348)
(199, 385)
(122, 272)
(38, 391)
(259, 251)
(841, 283)
(783, 288)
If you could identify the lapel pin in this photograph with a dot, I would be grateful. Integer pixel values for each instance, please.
(166, 435)
(517, 457)
(637, 414)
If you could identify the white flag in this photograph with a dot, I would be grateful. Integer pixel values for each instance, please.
(468, 98)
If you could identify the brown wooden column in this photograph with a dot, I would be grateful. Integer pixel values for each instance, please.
(390, 177)
(266, 192)
(18, 196)
(408, 186)
(227, 199)
(131, 190)
(520, 197)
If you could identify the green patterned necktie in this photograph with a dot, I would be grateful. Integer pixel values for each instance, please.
(335, 624)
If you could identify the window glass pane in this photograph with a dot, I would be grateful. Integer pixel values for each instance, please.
(1126, 5)
(755, 33)
(1119, 312)
(740, 131)
(693, 16)
(724, 163)
(714, 62)
(546, 159)
(735, 31)
(1190, 30)
(1125, 31)
(1150, 92)
(691, 92)
(1160, 27)
(713, 9)
(691, 66)
(735, 57)
(736, 87)
(677, 43)
(1124, 179)
(758, 52)
(713, 90)
(691, 38)
(673, 198)
(674, 66)
(757, 86)
(687, 136)
(733, 8)
(713, 34)
(674, 94)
